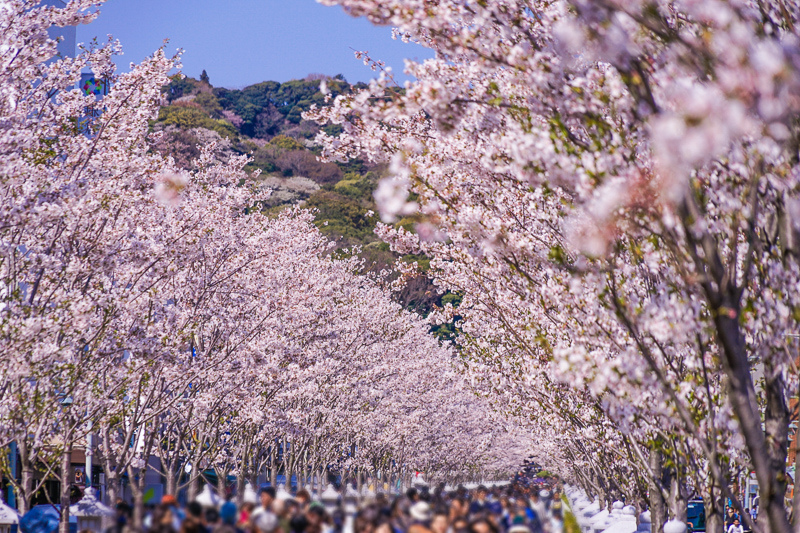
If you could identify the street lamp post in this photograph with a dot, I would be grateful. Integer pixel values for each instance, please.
(89, 457)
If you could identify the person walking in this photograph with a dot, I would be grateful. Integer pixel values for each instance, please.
(735, 527)
(162, 520)
(227, 517)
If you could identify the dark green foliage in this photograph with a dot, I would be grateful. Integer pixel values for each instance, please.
(448, 331)
(191, 115)
(180, 86)
(357, 185)
(333, 129)
(421, 260)
(304, 163)
(451, 298)
(345, 217)
(209, 103)
(257, 104)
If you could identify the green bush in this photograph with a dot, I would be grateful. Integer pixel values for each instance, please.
(345, 217)
(209, 103)
(192, 116)
(180, 86)
(570, 522)
(356, 186)
(285, 142)
(451, 298)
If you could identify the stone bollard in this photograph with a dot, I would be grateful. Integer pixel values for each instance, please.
(674, 526)
(644, 523)
(208, 498)
(624, 521)
(599, 521)
(90, 512)
(8, 517)
(586, 514)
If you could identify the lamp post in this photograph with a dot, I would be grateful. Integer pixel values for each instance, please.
(89, 456)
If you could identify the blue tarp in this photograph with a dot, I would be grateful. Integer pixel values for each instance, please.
(44, 519)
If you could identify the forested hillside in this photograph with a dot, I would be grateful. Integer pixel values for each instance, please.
(265, 121)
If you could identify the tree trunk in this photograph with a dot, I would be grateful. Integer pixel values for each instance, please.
(137, 476)
(27, 482)
(677, 501)
(771, 480)
(714, 508)
(658, 507)
(796, 495)
(194, 486)
(171, 479)
(273, 464)
(603, 497)
(244, 470)
(66, 471)
(776, 424)
(112, 488)
(24, 496)
(724, 301)
(137, 490)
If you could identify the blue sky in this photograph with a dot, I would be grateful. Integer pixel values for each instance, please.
(241, 42)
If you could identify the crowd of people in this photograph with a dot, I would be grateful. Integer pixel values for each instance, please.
(512, 509)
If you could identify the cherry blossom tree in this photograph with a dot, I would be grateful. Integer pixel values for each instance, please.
(156, 316)
(612, 187)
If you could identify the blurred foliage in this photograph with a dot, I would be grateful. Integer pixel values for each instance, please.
(570, 522)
